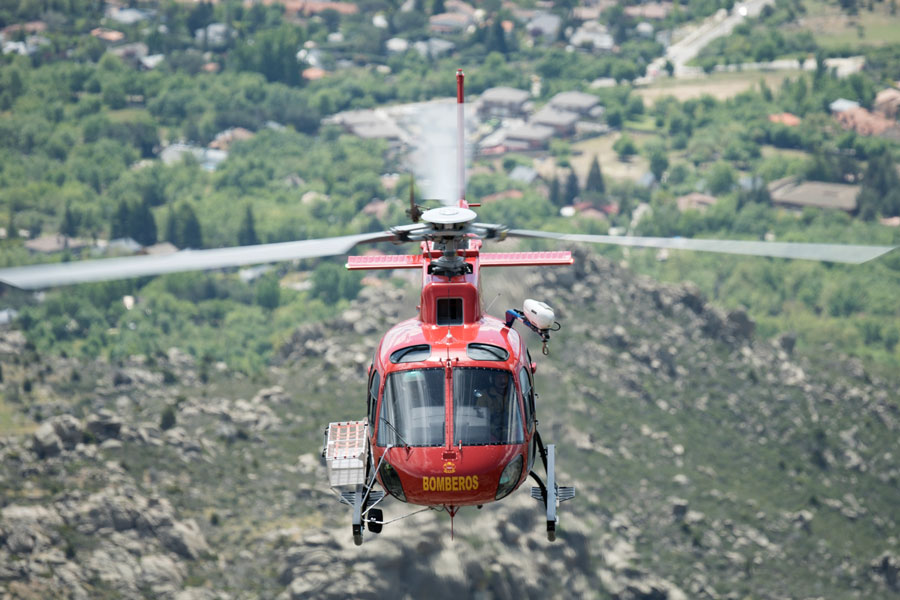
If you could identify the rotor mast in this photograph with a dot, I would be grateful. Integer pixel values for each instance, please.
(460, 140)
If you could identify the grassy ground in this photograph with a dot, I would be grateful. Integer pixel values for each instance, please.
(602, 147)
(717, 85)
(833, 28)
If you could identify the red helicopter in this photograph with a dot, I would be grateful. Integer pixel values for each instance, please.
(451, 416)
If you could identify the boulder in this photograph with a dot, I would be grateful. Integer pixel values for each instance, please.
(184, 538)
(45, 442)
(69, 430)
(161, 574)
(104, 425)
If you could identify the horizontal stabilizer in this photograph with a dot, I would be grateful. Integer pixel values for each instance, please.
(488, 259)
(388, 261)
(525, 259)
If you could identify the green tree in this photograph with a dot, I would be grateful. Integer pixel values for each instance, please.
(69, 225)
(497, 38)
(247, 233)
(172, 227)
(880, 192)
(120, 221)
(594, 181)
(625, 148)
(167, 421)
(669, 67)
(190, 234)
(721, 178)
(572, 188)
(268, 292)
(142, 224)
(659, 160)
(332, 282)
(555, 196)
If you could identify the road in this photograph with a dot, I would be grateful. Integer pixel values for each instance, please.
(697, 37)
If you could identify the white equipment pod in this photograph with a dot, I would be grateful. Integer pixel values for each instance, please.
(540, 315)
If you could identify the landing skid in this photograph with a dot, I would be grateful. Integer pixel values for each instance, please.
(550, 493)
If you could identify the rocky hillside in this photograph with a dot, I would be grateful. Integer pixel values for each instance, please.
(708, 463)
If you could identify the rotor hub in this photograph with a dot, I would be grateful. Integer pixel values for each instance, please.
(449, 218)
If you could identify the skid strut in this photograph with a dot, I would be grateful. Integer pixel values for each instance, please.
(550, 493)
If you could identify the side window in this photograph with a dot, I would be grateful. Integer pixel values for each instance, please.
(374, 382)
(527, 396)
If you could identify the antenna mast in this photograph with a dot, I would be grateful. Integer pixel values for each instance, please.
(460, 140)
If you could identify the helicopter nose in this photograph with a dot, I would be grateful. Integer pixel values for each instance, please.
(471, 477)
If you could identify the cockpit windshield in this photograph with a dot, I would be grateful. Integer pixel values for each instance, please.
(485, 407)
(412, 411)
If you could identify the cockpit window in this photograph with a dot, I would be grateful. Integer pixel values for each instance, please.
(412, 411)
(485, 407)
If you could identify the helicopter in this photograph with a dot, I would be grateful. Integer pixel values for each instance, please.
(451, 415)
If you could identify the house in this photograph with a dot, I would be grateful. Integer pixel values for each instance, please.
(30, 46)
(30, 28)
(865, 123)
(148, 63)
(586, 13)
(650, 10)
(529, 137)
(125, 15)
(842, 104)
(592, 34)
(313, 73)
(576, 102)
(376, 208)
(224, 139)
(451, 22)
(132, 53)
(644, 29)
(380, 131)
(789, 193)
(503, 102)
(695, 201)
(887, 103)
(396, 45)
(603, 83)
(208, 158)
(214, 35)
(544, 26)
(54, 242)
(523, 174)
(786, 118)
(458, 6)
(160, 249)
(107, 35)
(434, 47)
(368, 124)
(312, 7)
(122, 246)
(504, 195)
(562, 122)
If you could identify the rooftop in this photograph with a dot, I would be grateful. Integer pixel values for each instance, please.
(816, 194)
(576, 101)
(505, 95)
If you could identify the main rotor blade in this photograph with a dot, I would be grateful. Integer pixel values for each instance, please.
(47, 275)
(845, 253)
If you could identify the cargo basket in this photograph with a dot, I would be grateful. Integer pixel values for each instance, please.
(346, 453)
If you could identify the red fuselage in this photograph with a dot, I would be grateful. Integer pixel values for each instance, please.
(430, 388)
